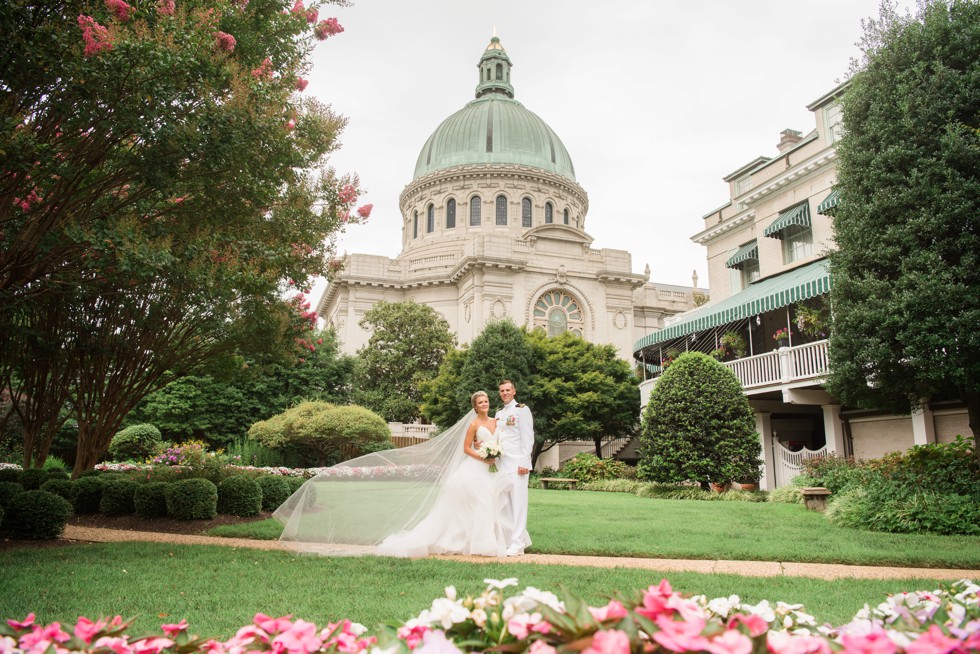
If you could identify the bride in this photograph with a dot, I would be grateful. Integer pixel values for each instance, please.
(438, 497)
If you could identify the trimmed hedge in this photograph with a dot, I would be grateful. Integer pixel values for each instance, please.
(32, 478)
(136, 443)
(7, 490)
(150, 499)
(86, 494)
(275, 491)
(192, 499)
(239, 496)
(36, 515)
(57, 473)
(294, 483)
(10, 474)
(60, 487)
(117, 497)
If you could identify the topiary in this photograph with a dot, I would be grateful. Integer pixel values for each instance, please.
(136, 443)
(8, 489)
(86, 493)
(239, 496)
(36, 515)
(57, 473)
(60, 487)
(117, 497)
(192, 499)
(698, 426)
(275, 491)
(9, 474)
(92, 472)
(32, 478)
(150, 499)
(294, 483)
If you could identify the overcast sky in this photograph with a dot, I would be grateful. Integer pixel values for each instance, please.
(655, 101)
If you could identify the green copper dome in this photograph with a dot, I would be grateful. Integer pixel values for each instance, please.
(494, 128)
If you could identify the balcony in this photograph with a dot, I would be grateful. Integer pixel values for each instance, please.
(788, 367)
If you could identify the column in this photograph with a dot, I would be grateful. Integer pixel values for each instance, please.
(833, 429)
(923, 425)
(763, 425)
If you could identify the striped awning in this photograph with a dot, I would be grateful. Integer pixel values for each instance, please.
(829, 204)
(768, 294)
(744, 253)
(796, 215)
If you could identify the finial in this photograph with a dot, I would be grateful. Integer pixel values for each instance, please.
(646, 273)
(694, 277)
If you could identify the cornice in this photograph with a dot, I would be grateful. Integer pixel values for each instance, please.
(794, 174)
(715, 231)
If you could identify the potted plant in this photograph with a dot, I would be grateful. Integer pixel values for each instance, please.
(811, 322)
(733, 344)
(781, 337)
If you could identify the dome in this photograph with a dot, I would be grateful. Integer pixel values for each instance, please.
(494, 129)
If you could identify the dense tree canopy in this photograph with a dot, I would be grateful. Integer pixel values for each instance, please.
(906, 274)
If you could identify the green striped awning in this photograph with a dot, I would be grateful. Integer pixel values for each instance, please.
(744, 253)
(795, 215)
(768, 294)
(829, 204)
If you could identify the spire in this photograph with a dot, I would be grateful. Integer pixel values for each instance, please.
(494, 69)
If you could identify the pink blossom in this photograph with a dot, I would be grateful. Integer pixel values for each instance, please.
(152, 645)
(213, 647)
(120, 8)
(521, 625)
(264, 71)
(96, 36)
(612, 611)
(23, 624)
(730, 642)
(224, 41)
(435, 642)
(311, 15)
(365, 211)
(301, 84)
(655, 600)
(755, 624)
(412, 635)
(781, 642)
(116, 644)
(298, 8)
(298, 638)
(612, 641)
(541, 647)
(876, 642)
(327, 28)
(347, 194)
(680, 635)
(291, 125)
(85, 629)
(174, 629)
(933, 641)
(42, 638)
(166, 7)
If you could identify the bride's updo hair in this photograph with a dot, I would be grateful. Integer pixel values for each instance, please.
(476, 395)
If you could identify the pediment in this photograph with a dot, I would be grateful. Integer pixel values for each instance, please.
(557, 232)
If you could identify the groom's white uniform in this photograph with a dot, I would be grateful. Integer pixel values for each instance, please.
(517, 438)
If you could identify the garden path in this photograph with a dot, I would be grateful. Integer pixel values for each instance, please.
(746, 568)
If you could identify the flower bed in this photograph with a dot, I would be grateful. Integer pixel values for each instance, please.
(539, 622)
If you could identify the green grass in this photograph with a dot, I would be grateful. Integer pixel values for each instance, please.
(620, 524)
(219, 589)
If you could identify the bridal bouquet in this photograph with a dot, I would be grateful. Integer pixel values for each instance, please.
(490, 450)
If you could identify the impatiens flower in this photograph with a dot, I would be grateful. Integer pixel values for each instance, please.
(412, 634)
(876, 642)
(655, 600)
(120, 8)
(174, 629)
(41, 638)
(327, 28)
(445, 612)
(96, 36)
(115, 644)
(520, 626)
(301, 84)
(755, 624)
(166, 7)
(730, 642)
(612, 641)
(299, 638)
(22, 624)
(680, 636)
(612, 611)
(151, 645)
(781, 642)
(933, 641)
(224, 41)
(365, 210)
(435, 642)
(541, 647)
(85, 629)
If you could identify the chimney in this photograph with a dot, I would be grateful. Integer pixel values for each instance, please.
(787, 139)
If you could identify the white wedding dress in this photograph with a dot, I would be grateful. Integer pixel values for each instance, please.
(467, 517)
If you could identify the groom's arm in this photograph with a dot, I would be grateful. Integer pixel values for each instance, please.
(526, 426)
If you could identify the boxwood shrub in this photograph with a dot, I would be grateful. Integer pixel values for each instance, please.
(150, 499)
(60, 487)
(32, 478)
(275, 490)
(10, 474)
(86, 493)
(294, 483)
(239, 496)
(135, 443)
(192, 499)
(57, 473)
(7, 490)
(36, 515)
(117, 497)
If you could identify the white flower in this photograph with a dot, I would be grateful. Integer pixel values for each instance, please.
(435, 642)
(445, 612)
(722, 606)
(762, 609)
(451, 592)
(356, 628)
(394, 649)
(501, 584)
(542, 597)
(479, 617)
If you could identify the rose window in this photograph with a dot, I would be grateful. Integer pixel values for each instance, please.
(557, 312)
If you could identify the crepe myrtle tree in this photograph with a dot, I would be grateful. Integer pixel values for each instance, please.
(698, 426)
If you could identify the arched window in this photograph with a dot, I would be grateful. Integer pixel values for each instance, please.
(501, 210)
(566, 216)
(450, 213)
(430, 219)
(415, 225)
(558, 312)
(526, 212)
(475, 210)
(500, 71)
(549, 213)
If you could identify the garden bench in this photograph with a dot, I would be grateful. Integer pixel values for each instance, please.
(568, 483)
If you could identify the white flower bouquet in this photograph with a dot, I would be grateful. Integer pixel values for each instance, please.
(490, 450)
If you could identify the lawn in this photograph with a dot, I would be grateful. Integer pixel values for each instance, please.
(620, 524)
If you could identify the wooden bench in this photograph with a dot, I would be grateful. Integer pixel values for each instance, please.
(568, 483)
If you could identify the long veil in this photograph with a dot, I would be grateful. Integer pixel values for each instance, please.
(351, 507)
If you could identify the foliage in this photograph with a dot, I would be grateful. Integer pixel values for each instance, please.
(588, 467)
(698, 426)
(36, 515)
(618, 485)
(32, 478)
(60, 487)
(275, 491)
(239, 495)
(788, 494)
(193, 455)
(150, 499)
(832, 472)
(905, 319)
(7, 490)
(733, 344)
(10, 474)
(52, 463)
(812, 321)
(86, 494)
(135, 443)
(192, 499)
(408, 343)
(117, 497)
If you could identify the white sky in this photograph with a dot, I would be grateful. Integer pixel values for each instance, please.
(655, 101)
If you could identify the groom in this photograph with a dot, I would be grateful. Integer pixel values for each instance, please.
(517, 438)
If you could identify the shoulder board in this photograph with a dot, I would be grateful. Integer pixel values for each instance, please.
(521, 406)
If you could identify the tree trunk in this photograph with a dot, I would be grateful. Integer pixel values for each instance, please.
(598, 446)
(972, 401)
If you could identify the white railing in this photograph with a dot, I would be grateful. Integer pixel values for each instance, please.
(790, 464)
(810, 360)
(756, 371)
(411, 429)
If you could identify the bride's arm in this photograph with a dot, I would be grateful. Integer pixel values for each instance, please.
(470, 443)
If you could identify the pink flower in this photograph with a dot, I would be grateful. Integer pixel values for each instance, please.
(365, 211)
(435, 642)
(85, 629)
(876, 642)
(298, 8)
(730, 642)
(521, 625)
(96, 36)
(412, 635)
(120, 8)
(299, 638)
(174, 629)
(291, 125)
(311, 15)
(541, 647)
(781, 642)
(116, 644)
(680, 636)
(613, 641)
(347, 194)
(224, 41)
(272, 625)
(612, 611)
(933, 641)
(23, 624)
(42, 638)
(151, 645)
(166, 7)
(301, 84)
(264, 71)
(655, 600)
(327, 28)
(755, 624)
